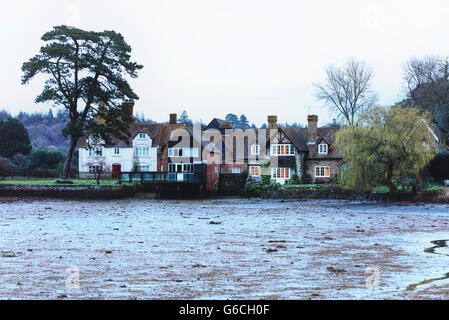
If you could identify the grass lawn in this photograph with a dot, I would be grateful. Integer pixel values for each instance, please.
(301, 185)
(52, 181)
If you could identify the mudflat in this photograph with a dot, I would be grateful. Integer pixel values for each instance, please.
(141, 248)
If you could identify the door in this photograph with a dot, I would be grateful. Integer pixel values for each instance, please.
(116, 170)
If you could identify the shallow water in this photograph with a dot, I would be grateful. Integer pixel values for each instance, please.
(224, 248)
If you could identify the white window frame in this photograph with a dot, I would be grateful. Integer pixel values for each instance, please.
(254, 175)
(142, 135)
(97, 151)
(255, 149)
(322, 172)
(116, 150)
(276, 173)
(186, 152)
(94, 168)
(323, 146)
(143, 167)
(276, 148)
(236, 170)
(141, 151)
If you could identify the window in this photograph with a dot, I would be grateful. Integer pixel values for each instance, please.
(235, 170)
(322, 148)
(116, 150)
(96, 151)
(255, 149)
(180, 167)
(142, 135)
(142, 151)
(322, 171)
(183, 152)
(254, 171)
(282, 150)
(93, 168)
(144, 168)
(280, 173)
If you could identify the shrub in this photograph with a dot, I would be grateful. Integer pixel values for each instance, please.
(64, 182)
(439, 167)
(294, 179)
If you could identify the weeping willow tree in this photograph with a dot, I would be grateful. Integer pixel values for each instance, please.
(390, 143)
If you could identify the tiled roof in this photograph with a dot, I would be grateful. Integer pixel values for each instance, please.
(158, 132)
(298, 136)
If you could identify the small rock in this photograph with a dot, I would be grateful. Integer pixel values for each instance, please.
(214, 222)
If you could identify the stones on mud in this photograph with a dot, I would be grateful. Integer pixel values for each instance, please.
(270, 250)
(199, 266)
(215, 222)
(8, 254)
(335, 270)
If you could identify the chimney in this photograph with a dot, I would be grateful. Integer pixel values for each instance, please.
(312, 127)
(129, 104)
(173, 118)
(272, 122)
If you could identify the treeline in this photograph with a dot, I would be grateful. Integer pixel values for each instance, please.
(32, 144)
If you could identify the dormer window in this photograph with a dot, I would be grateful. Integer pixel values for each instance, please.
(322, 148)
(142, 135)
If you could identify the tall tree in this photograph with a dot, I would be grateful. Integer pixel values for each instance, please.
(427, 82)
(184, 119)
(389, 143)
(14, 138)
(347, 90)
(243, 122)
(86, 70)
(233, 119)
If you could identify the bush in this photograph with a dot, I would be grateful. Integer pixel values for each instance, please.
(439, 167)
(6, 167)
(294, 179)
(64, 182)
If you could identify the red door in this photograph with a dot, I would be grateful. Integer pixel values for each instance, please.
(116, 170)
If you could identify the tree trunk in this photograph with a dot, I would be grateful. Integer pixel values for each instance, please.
(68, 161)
(390, 184)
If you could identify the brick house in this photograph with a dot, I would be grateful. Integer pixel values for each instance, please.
(314, 158)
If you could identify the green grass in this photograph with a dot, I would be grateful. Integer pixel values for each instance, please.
(301, 185)
(52, 181)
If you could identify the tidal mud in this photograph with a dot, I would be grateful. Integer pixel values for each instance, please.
(141, 248)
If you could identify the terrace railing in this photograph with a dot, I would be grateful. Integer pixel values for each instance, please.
(162, 177)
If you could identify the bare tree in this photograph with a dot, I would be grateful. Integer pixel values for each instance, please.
(97, 167)
(347, 90)
(427, 81)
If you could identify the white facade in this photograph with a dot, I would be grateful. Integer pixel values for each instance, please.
(141, 155)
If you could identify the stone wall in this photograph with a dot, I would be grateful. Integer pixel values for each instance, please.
(309, 169)
(68, 191)
(332, 192)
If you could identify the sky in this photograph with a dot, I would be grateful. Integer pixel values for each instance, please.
(213, 57)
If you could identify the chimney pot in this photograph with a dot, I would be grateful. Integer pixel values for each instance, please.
(272, 121)
(312, 129)
(130, 105)
(173, 118)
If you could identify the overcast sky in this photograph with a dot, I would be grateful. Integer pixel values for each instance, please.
(212, 57)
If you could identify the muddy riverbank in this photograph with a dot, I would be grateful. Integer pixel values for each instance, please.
(336, 192)
(140, 248)
(68, 191)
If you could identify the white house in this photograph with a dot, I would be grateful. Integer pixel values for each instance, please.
(141, 154)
